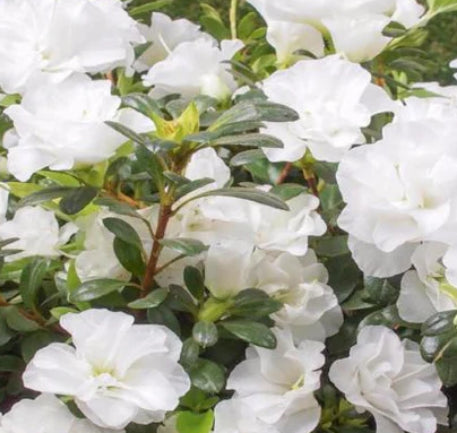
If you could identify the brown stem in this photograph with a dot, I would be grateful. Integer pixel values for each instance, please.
(284, 173)
(151, 269)
(310, 178)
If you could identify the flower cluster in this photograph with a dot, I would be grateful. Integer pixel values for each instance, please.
(231, 230)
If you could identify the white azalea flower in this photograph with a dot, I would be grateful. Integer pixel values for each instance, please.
(234, 416)
(117, 372)
(377, 263)
(62, 125)
(205, 70)
(288, 37)
(413, 196)
(453, 65)
(207, 163)
(311, 309)
(355, 27)
(165, 35)
(98, 259)
(425, 290)
(334, 98)
(278, 385)
(450, 261)
(359, 37)
(58, 37)
(389, 378)
(228, 268)
(441, 107)
(267, 228)
(45, 414)
(37, 231)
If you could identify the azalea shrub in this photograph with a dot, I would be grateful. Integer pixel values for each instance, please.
(243, 226)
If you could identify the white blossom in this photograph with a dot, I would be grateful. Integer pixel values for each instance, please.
(389, 378)
(228, 268)
(267, 228)
(355, 27)
(334, 99)
(311, 309)
(235, 416)
(411, 198)
(45, 414)
(278, 384)
(164, 35)
(58, 37)
(117, 372)
(205, 70)
(425, 290)
(38, 233)
(62, 125)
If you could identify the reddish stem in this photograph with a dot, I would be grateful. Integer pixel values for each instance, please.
(151, 269)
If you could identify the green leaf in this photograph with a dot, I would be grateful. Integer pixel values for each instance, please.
(332, 246)
(153, 299)
(194, 282)
(272, 112)
(207, 376)
(192, 186)
(254, 195)
(5, 333)
(447, 370)
(243, 112)
(94, 289)
(45, 195)
(124, 231)
(187, 247)
(251, 140)
(440, 323)
(33, 342)
(129, 256)
(251, 332)
(380, 291)
(31, 280)
(205, 334)
(142, 103)
(150, 163)
(77, 199)
(180, 300)
(344, 274)
(388, 316)
(247, 157)
(126, 132)
(190, 422)
(162, 315)
(16, 321)
(149, 7)
(63, 179)
(10, 363)
(254, 303)
(287, 191)
(190, 352)
(117, 207)
(394, 30)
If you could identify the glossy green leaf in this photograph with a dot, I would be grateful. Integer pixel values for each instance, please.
(254, 333)
(205, 334)
(190, 422)
(124, 231)
(94, 289)
(77, 199)
(207, 376)
(153, 299)
(187, 247)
